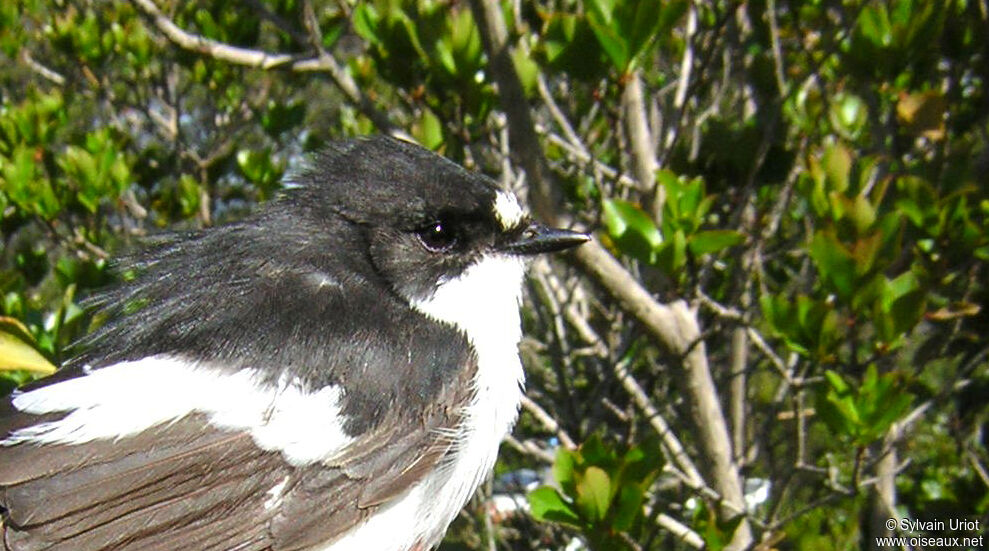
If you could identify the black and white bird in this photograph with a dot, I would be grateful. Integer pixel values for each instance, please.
(334, 372)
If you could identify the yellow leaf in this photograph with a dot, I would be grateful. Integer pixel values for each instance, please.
(922, 114)
(16, 350)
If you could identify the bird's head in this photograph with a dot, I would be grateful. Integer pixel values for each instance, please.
(425, 220)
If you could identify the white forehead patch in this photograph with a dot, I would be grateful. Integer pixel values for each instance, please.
(507, 210)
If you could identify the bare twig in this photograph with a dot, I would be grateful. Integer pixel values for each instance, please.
(582, 157)
(738, 391)
(530, 448)
(548, 422)
(670, 441)
(979, 467)
(774, 33)
(559, 117)
(678, 529)
(687, 63)
(640, 141)
(675, 326)
(210, 47)
(322, 62)
(49, 74)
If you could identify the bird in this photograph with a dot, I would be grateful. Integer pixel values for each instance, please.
(333, 372)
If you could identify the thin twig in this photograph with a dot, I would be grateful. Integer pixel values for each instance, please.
(548, 422)
(49, 74)
(322, 62)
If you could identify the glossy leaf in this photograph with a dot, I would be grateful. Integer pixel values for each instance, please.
(834, 262)
(631, 229)
(712, 241)
(594, 494)
(546, 504)
(18, 351)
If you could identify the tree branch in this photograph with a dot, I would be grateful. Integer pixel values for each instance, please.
(322, 62)
(640, 140)
(525, 144)
(675, 327)
(548, 422)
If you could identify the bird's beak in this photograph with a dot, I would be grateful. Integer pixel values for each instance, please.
(537, 238)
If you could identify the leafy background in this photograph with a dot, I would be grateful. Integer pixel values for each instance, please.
(786, 291)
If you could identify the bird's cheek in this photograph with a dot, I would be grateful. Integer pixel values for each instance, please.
(403, 263)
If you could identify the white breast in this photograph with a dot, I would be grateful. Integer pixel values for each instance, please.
(483, 303)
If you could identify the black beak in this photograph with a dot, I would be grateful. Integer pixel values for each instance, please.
(537, 238)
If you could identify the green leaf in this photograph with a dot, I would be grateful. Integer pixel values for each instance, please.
(642, 462)
(891, 405)
(594, 452)
(907, 310)
(672, 255)
(613, 44)
(849, 115)
(188, 195)
(839, 414)
(712, 241)
(26, 183)
(365, 20)
(261, 170)
(465, 40)
(628, 506)
(641, 21)
(570, 46)
(603, 10)
(837, 161)
(429, 130)
(834, 262)
(874, 24)
(528, 71)
(546, 505)
(631, 229)
(837, 383)
(715, 530)
(564, 470)
(690, 198)
(864, 253)
(807, 326)
(861, 213)
(594, 494)
(672, 12)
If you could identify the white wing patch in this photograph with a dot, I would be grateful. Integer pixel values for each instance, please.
(129, 397)
(507, 210)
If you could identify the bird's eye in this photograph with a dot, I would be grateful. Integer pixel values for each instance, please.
(438, 237)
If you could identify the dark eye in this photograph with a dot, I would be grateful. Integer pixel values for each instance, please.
(438, 237)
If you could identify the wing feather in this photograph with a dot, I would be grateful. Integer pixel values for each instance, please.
(193, 486)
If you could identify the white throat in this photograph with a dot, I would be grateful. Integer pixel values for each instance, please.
(483, 302)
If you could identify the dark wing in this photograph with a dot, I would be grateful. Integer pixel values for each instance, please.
(188, 485)
(155, 490)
